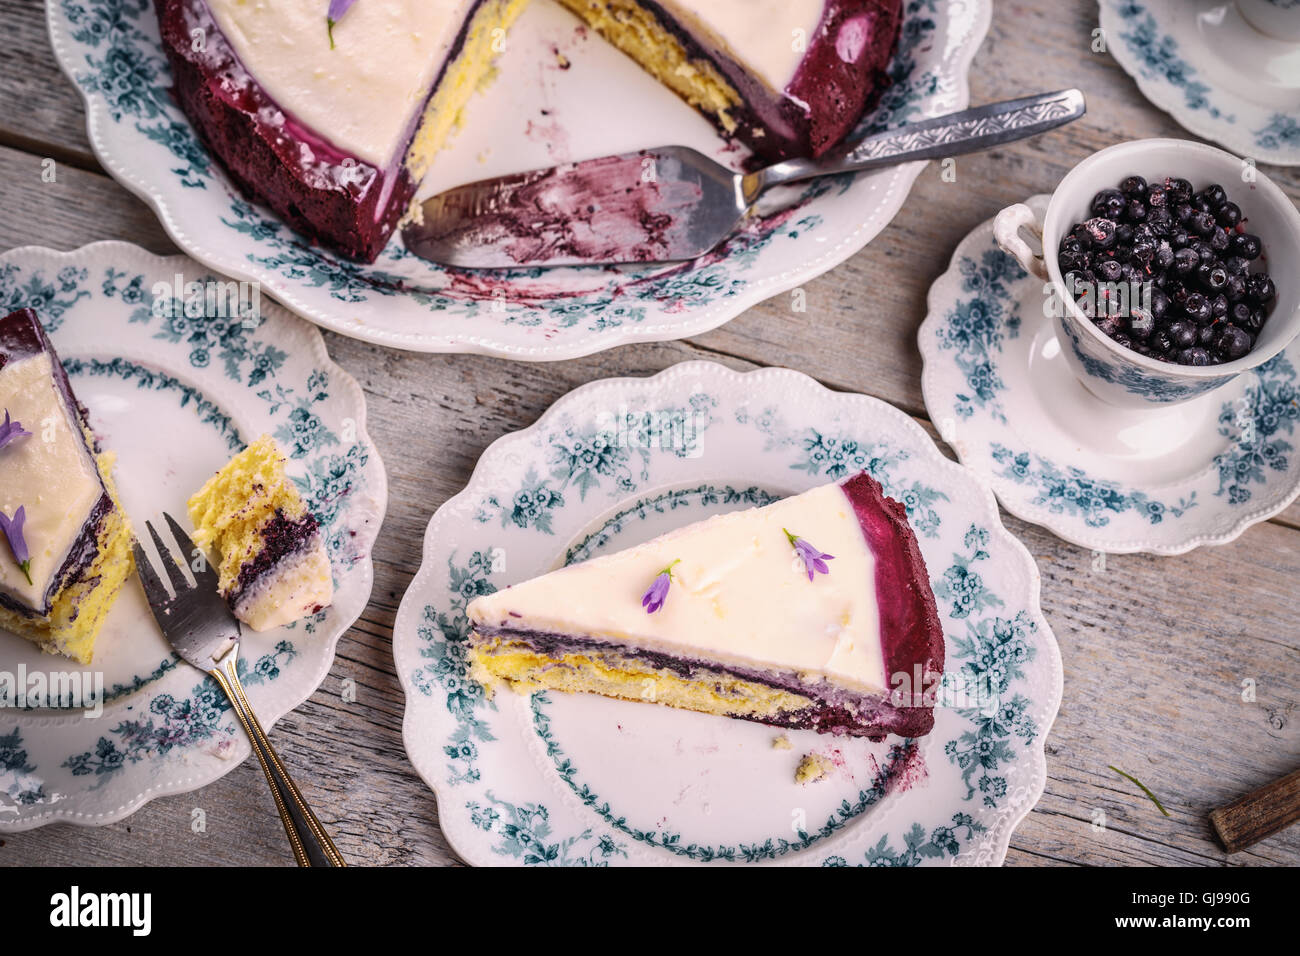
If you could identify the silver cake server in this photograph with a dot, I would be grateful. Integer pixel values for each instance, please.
(672, 203)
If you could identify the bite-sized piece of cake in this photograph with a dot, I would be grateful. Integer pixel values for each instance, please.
(743, 615)
(67, 547)
(785, 77)
(332, 127)
(273, 567)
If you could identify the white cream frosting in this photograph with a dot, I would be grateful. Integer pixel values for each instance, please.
(51, 474)
(739, 595)
(767, 37)
(300, 583)
(361, 96)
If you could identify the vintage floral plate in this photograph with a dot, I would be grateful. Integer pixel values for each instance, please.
(560, 94)
(577, 779)
(1204, 65)
(1160, 480)
(175, 393)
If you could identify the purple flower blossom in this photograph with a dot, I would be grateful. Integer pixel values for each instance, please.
(336, 11)
(11, 432)
(657, 593)
(13, 530)
(813, 560)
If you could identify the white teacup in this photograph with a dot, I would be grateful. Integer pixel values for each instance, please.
(1109, 370)
(1279, 19)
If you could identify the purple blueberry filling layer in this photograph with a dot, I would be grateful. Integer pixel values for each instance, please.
(283, 537)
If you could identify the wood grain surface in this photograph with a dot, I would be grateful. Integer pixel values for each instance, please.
(1155, 649)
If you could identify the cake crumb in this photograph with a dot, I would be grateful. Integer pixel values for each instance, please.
(812, 767)
(781, 742)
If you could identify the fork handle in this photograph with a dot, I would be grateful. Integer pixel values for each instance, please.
(311, 844)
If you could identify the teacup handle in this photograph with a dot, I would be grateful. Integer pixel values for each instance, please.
(1006, 231)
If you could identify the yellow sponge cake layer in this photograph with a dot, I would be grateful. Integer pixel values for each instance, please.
(484, 40)
(273, 567)
(640, 35)
(611, 675)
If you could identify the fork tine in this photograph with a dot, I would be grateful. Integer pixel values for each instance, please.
(174, 574)
(207, 578)
(153, 586)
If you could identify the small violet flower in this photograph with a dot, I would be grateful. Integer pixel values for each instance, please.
(11, 431)
(813, 560)
(336, 11)
(657, 593)
(13, 530)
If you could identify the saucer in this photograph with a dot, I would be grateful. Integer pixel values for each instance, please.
(1203, 64)
(1164, 481)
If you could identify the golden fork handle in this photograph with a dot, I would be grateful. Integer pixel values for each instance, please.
(311, 844)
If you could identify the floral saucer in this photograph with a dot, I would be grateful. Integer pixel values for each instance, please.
(561, 95)
(1160, 480)
(1201, 62)
(553, 778)
(175, 387)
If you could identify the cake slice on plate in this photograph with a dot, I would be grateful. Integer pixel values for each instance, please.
(814, 612)
(67, 547)
(273, 568)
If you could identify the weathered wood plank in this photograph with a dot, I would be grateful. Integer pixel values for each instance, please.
(1155, 649)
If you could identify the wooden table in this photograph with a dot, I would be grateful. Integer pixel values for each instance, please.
(1155, 649)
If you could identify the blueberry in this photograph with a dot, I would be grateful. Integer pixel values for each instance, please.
(1194, 356)
(1183, 213)
(1157, 195)
(1260, 288)
(1219, 306)
(1134, 187)
(1179, 238)
(1197, 307)
(1219, 241)
(1179, 190)
(1108, 204)
(1160, 342)
(1164, 255)
(1141, 323)
(1229, 215)
(1159, 303)
(1109, 325)
(1101, 230)
(1135, 211)
(1109, 270)
(1214, 196)
(1215, 278)
(1123, 234)
(1185, 260)
(1246, 245)
(1257, 319)
(1202, 223)
(1232, 342)
(1241, 314)
(1181, 333)
(1206, 335)
(1235, 265)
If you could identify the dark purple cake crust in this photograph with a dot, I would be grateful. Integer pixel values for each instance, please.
(282, 536)
(22, 336)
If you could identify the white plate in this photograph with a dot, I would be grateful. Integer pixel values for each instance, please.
(535, 114)
(1159, 480)
(175, 399)
(554, 778)
(1205, 66)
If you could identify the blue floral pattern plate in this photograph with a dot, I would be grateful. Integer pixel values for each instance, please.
(552, 80)
(553, 779)
(1204, 65)
(177, 379)
(1159, 480)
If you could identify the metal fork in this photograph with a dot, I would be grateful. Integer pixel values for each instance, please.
(201, 629)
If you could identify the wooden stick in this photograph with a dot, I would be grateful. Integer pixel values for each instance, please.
(1259, 814)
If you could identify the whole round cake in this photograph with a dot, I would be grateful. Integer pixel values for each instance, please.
(330, 113)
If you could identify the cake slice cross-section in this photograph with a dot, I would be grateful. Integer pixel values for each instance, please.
(814, 612)
(273, 568)
(68, 548)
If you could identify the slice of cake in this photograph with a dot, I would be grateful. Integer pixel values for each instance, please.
(808, 613)
(273, 567)
(333, 123)
(785, 77)
(331, 126)
(67, 543)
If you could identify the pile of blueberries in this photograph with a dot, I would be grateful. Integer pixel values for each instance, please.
(1205, 306)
